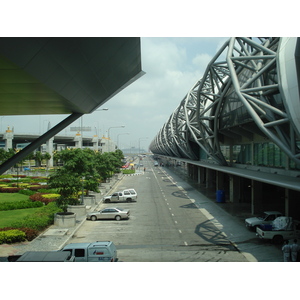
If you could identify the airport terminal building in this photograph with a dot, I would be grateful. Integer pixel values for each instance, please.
(237, 130)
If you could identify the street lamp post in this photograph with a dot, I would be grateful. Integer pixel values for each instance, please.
(108, 132)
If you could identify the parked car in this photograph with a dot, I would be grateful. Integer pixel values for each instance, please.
(109, 213)
(133, 193)
(267, 218)
(126, 195)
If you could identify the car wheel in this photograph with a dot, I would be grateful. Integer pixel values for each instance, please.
(106, 200)
(93, 218)
(128, 199)
(118, 218)
(278, 239)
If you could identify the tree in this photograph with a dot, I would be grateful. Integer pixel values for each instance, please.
(38, 156)
(68, 186)
(77, 173)
(108, 163)
(47, 156)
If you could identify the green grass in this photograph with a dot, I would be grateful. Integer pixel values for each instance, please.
(10, 197)
(11, 216)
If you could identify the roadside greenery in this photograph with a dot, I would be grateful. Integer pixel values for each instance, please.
(82, 171)
(28, 204)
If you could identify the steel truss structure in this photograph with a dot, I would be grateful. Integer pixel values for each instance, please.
(249, 87)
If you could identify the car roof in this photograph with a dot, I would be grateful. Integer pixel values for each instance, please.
(85, 245)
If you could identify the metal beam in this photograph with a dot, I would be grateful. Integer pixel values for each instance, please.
(38, 142)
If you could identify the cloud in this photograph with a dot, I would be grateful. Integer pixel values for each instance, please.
(202, 60)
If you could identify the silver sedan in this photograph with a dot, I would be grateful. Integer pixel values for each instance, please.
(109, 213)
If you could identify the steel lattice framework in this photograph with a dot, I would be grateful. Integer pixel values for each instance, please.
(245, 83)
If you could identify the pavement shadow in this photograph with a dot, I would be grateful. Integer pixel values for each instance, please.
(180, 194)
(210, 233)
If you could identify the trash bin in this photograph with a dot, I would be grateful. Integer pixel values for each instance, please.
(220, 196)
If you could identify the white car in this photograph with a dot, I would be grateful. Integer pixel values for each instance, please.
(108, 213)
(267, 218)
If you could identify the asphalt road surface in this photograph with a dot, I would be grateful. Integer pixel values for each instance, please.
(165, 224)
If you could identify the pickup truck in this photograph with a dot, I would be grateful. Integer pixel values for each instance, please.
(267, 218)
(92, 252)
(126, 195)
(281, 229)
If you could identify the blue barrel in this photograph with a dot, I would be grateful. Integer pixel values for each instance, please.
(220, 196)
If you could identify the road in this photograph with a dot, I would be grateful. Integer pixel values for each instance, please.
(165, 225)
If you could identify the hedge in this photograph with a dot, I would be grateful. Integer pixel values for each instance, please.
(43, 197)
(29, 232)
(9, 189)
(12, 236)
(40, 219)
(19, 205)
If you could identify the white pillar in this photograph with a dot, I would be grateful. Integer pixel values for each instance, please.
(95, 142)
(8, 137)
(49, 149)
(78, 140)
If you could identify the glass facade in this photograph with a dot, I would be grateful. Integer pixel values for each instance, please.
(259, 154)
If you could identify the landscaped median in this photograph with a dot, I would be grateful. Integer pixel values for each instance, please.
(26, 208)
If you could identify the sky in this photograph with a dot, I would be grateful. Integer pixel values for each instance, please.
(177, 42)
(172, 66)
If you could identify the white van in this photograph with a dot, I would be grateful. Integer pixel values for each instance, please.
(93, 252)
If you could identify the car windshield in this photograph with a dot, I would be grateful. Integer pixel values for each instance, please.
(264, 216)
(119, 209)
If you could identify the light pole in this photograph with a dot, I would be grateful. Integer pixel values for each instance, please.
(108, 133)
(97, 129)
(122, 126)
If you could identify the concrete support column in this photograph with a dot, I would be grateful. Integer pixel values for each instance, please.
(199, 177)
(256, 197)
(234, 189)
(95, 142)
(220, 181)
(202, 175)
(286, 202)
(209, 178)
(78, 140)
(49, 149)
(8, 137)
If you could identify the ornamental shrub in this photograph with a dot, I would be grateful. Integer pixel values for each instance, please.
(43, 197)
(12, 236)
(19, 205)
(40, 219)
(27, 192)
(29, 232)
(34, 187)
(20, 184)
(19, 176)
(5, 176)
(9, 189)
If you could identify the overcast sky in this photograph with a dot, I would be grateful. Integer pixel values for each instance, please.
(171, 65)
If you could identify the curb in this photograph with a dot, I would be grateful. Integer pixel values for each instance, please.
(84, 219)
